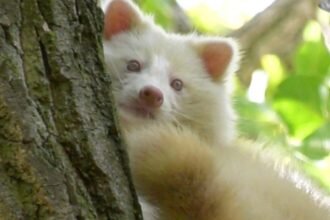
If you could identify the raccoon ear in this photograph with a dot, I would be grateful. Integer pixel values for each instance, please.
(219, 56)
(120, 16)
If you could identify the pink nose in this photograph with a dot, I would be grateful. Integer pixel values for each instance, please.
(151, 96)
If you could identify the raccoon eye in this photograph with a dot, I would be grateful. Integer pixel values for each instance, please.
(177, 84)
(133, 66)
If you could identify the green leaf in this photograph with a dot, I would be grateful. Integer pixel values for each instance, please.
(317, 145)
(312, 58)
(275, 69)
(300, 119)
(161, 10)
(301, 88)
(259, 122)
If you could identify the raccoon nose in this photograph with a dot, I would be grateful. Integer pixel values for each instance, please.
(151, 96)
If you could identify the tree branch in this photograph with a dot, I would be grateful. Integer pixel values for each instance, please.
(276, 30)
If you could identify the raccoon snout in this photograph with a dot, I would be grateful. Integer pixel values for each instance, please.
(151, 96)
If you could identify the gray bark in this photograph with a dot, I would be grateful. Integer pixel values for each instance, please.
(61, 154)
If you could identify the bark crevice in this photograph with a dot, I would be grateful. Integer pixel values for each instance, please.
(61, 154)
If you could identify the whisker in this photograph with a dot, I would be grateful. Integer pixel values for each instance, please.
(185, 116)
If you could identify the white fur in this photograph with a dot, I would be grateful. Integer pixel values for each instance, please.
(149, 211)
(248, 182)
(259, 191)
(264, 189)
(165, 56)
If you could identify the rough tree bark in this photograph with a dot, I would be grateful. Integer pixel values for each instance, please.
(61, 154)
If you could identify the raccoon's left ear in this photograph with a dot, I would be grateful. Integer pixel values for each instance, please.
(219, 56)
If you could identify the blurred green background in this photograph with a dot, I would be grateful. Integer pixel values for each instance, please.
(287, 101)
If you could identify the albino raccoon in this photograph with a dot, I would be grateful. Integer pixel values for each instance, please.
(175, 111)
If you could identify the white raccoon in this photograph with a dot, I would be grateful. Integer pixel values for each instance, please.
(175, 111)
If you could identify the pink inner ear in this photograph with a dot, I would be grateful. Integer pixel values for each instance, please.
(216, 57)
(119, 17)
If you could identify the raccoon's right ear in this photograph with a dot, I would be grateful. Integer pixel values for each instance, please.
(120, 16)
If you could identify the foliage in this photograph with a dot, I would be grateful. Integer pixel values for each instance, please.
(161, 10)
(296, 113)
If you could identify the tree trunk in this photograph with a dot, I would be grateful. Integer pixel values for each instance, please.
(61, 154)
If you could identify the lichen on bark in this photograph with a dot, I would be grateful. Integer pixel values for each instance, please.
(61, 153)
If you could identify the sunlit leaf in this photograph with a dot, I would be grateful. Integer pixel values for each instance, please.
(312, 58)
(317, 145)
(274, 68)
(312, 32)
(161, 10)
(259, 121)
(211, 23)
(326, 35)
(300, 119)
(302, 88)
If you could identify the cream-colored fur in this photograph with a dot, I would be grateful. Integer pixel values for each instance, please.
(166, 55)
(185, 160)
(188, 180)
